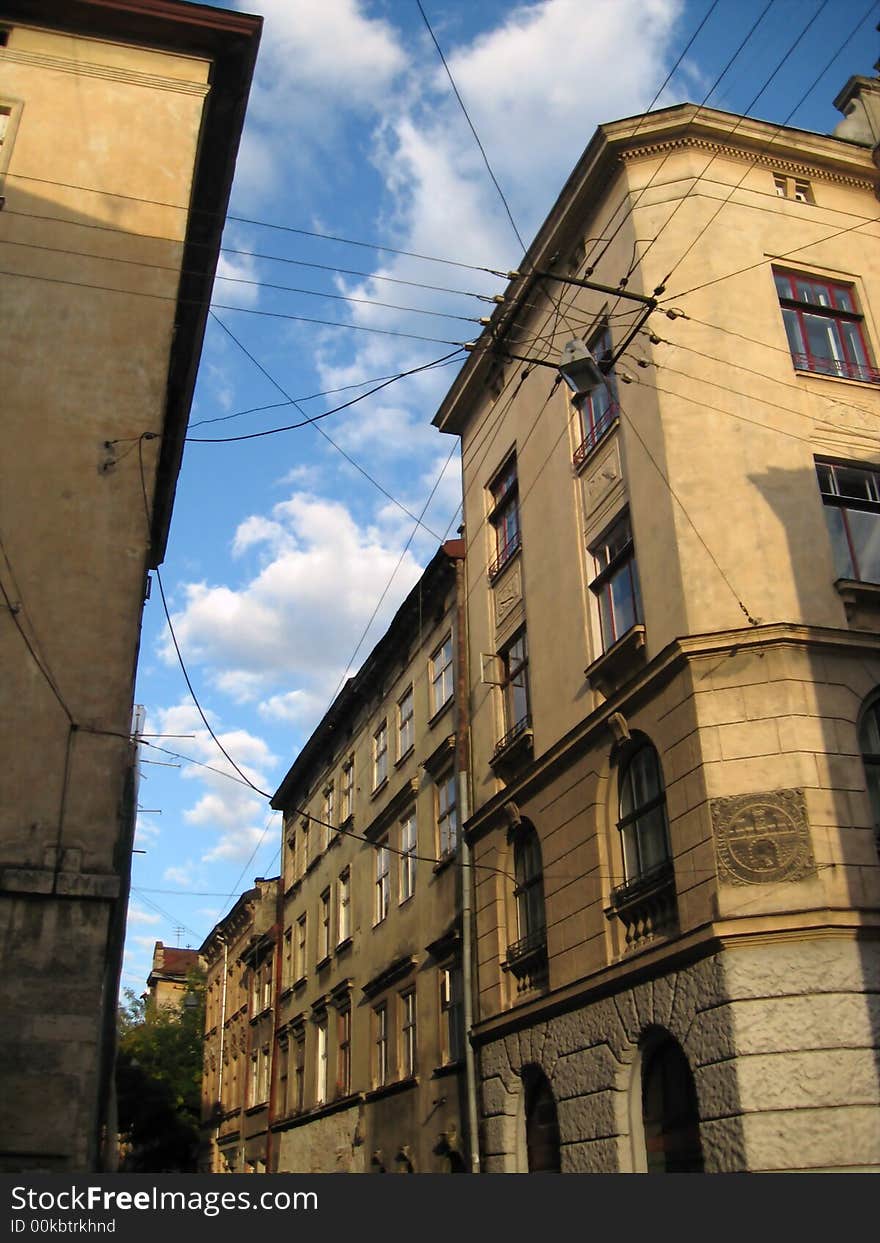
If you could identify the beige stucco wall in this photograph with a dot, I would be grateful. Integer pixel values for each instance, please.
(100, 128)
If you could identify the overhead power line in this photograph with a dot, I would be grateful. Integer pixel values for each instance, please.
(262, 224)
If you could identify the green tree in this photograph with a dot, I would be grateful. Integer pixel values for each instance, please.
(158, 1081)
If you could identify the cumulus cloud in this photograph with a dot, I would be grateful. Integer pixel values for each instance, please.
(137, 916)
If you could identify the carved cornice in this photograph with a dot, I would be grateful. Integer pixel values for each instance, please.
(113, 73)
(765, 159)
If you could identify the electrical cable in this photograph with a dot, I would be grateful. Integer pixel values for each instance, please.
(482, 149)
(262, 224)
(357, 466)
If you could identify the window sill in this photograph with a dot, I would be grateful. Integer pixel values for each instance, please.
(432, 720)
(298, 984)
(390, 1089)
(379, 788)
(619, 663)
(445, 860)
(380, 922)
(324, 962)
(405, 901)
(448, 1068)
(299, 1117)
(255, 1109)
(858, 596)
(858, 381)
(646, 906)
(404, 756)
(515, 749)
(312, 863)
(343, 945)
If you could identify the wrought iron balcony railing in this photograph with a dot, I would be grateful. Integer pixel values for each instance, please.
(836, 367)
(595, 433)
(504, 555)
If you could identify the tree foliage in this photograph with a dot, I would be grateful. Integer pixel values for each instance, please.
(158, 1082)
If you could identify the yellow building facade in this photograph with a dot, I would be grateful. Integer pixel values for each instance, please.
(119, 124)
(674, 657)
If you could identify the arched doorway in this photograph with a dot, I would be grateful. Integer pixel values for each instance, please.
(670, 1111)
(542, 1123)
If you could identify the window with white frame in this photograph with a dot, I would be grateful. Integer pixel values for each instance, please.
(263, 1078)
(851, 496)
(287, 967)
(447, 815)
(321, 1075)
(299, 957)
(346, 800)
(343, 906)
(324, 927)
(253, 1089)
(504, 516)
(329, 816)
(451, 1015)
(380, 1045)
(299, 1071)
(616, 585)
(408, 844)
(599, 408)
(528, 893)
(343, 1052)
(405, 729)
(266, 995)
(408, 1038)
(382, 883)
(304, 845)
(441, 675)
(380, 755)
(824, 326)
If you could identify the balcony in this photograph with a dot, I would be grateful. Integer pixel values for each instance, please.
(515, 749)
(646, 906)
(836, 367)
(594, 434)
(505, 555)
(527, 961)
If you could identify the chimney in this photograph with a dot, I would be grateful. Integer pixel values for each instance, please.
(859, 101)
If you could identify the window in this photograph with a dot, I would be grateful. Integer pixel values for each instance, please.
(291, 871)
(869, 745)
(408, 1044)
(597, 409)
(283, 1065)
(824, 327)
(405, 732)
(515, 688)
(528, 893)
(408, 844)
(299, 959)
(441, 675)
(793, 188)
(504, 516)
(263, 1083)
(253, 1090)
(343, 1052)
(642, 822)
(287, 969)
(380, 1045)
(670, 1111)
(343, 907)
(321, 1077)
(380, 755)
(447, 816)
(324, 928)
(451, 1015)
(851, 495)
(346, 808)
(329, 814)
(383, 885)
(304, 846)
(266, 999)
(543, 1151)
(299, 1071)
(616, 585)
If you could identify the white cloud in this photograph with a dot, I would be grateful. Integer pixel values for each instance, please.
(232, 284)
(182, 876)
(137, 916)
(146, 942)
(237, 845)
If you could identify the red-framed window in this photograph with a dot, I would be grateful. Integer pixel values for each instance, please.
(597, 409)
(851, 495)
(824, 327)
(504, 515)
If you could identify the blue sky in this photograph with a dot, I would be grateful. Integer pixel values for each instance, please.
(281, 547)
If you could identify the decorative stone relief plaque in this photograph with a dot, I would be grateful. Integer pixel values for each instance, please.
(508, 593)
(602, 479)
(761, 839)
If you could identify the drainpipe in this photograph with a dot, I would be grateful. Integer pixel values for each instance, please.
(216, 1156)
(462, 764)
(276, 992)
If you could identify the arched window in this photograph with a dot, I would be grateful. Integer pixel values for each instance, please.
(669, 1110)
(542, 1123)
(642, 819)
(869, 745)
(528, 892)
